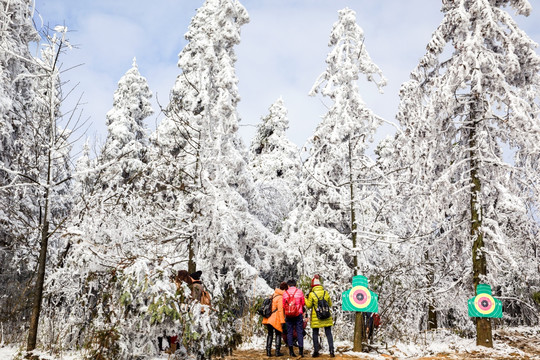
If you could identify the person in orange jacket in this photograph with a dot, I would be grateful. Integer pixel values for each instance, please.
(275, 322)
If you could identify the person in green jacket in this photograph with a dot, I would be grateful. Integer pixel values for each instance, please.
(316, 294)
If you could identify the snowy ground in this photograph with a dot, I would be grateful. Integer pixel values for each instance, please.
(510, 343)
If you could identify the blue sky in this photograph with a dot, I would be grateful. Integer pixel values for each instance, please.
(283, 51)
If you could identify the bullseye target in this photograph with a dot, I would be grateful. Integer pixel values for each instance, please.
(484, 304)
(360, 297)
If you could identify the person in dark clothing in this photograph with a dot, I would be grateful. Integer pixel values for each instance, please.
(368, 321)
(196, 285)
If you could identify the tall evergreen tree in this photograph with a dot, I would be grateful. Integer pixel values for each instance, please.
(337, 203)
(465, 114)
(34, 159)
(124, 151)
(108, 230)
(203, 117)
(17, 101)
(196, 203)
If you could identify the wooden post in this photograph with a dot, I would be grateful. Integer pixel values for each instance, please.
(359, 332)
(483, 332)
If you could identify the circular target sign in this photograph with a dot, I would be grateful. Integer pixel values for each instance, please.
(484, 304)
(360, 297)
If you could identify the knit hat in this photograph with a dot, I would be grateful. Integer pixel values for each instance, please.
(196, 275)
(315, 281)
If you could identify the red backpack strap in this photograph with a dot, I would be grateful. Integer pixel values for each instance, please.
(294, 293)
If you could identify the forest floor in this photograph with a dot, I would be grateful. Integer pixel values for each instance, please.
(514, 343)
(521, 343)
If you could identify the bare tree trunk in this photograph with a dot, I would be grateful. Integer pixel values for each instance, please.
(432, 314)
(192, 266)
(483, 332)
(44, 222)
(483, 325)
(50, 134)
(40, 280)
(359, 332)
(432, 318)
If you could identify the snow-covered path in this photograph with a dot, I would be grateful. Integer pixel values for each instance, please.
(511, 343)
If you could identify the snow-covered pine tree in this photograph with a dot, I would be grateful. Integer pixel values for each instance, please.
(410, 286)
(17, 97)
(194, 212)
(337, 209)
(112, 251)
(116, 277)
(218, 185)
(40, 166)
(34, 162)
(475, 92)
(408, 269)
(275, 164)
(124, 153)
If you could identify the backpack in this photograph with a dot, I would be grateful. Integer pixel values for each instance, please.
(376, 320)
(291, 308)
(265, 310)
(323, 309)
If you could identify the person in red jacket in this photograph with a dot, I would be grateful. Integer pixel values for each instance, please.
(293, 306)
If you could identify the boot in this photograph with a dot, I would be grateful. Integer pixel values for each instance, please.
(315, 350)
(291, 351)
(332, 353)
(269, 344)
(278, 345)
(301, 350)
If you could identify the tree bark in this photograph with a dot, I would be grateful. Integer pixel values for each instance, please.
(359, 332)
(359, 326)
(353, 212)
(192, 266)
(432, 318)
(44, 222)
(483, 325)
(50, 129)
(432, 313)
(40, 280)
(483, 332)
